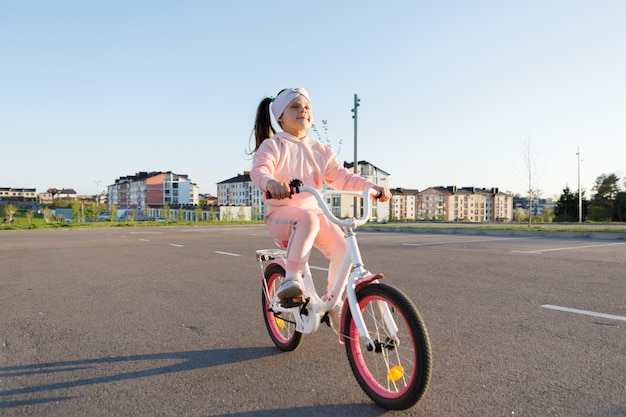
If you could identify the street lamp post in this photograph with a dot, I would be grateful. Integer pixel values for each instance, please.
(580, 196)
(97, 189)
(357, 102)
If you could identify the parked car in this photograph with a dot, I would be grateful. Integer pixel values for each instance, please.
(104, 217)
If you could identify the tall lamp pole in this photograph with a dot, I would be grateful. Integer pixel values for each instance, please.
(356, 160)
(97, 189)
(580, 196)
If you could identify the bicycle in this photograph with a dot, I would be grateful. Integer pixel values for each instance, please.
(385, 337)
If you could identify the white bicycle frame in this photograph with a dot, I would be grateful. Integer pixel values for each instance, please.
(308, 316)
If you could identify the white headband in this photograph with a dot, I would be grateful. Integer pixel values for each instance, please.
(285, 97)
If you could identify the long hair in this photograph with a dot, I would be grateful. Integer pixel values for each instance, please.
(263, 128)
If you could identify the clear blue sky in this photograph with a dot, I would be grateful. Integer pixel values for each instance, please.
(450, 90)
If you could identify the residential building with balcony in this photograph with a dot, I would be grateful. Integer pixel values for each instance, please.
(238, 191)
(135, 192)
(403, 204)
(465, 204)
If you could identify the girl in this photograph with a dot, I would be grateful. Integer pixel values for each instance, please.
(283, 156)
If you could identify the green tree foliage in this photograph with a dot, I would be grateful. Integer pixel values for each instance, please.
(620, 207)
(9, 212)
(47, 215)
(607, 203)
(546, 216)
(91, 210)
(77, 211)
(520, 215)
(566, 209)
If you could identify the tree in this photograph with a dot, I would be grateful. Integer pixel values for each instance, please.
(530, 172)
(91, 210)
(47, 214)
(520, 215)
(9, 212)
(620, 207)
(603, 206)
(78, 211)
(566, 209)
(547, 215)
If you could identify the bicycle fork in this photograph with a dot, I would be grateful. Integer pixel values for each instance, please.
(358, 274)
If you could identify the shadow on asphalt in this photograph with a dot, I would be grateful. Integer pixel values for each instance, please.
(186, 361)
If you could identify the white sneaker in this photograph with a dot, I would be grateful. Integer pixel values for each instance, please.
(290, 288)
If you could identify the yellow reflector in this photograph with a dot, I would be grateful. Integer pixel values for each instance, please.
(280, 322)
(395, 373)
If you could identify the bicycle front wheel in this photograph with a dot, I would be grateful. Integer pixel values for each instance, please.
(280, 326)
(396, 373)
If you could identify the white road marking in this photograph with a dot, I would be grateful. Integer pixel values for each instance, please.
(176, 245)
(319, 268)
(227, 253)
(146, 233)
(212, 229)
(459, 242)
(585, 312)
(540, 251)
(144, 240)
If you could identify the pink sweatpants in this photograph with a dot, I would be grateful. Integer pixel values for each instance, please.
(306, 228)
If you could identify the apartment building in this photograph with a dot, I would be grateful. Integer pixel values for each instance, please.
(135, 192)
(10, 194)
(238, 191)
(343, 206)
(403, 204)
(241, 191)
(466, 204)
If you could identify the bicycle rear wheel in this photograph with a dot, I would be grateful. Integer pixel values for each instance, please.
(397, 372)
(280, 326)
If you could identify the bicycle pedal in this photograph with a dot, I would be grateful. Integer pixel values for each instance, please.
(293, 302)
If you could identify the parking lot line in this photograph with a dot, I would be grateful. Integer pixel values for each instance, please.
(460, 242)
(540, 251)
(585, 312)
(226, 253)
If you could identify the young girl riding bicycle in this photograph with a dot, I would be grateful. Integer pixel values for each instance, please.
(279, 157)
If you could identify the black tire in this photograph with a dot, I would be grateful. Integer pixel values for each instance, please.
(394, 376)
(280, 326)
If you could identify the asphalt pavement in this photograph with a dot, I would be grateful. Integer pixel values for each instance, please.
(167, 321)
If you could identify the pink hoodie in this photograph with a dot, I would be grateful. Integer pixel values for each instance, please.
(284, 157)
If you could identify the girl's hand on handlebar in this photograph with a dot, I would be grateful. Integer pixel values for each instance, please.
(278, 190)
(383, 193)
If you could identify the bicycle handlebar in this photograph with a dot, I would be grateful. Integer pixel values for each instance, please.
(319, 196)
